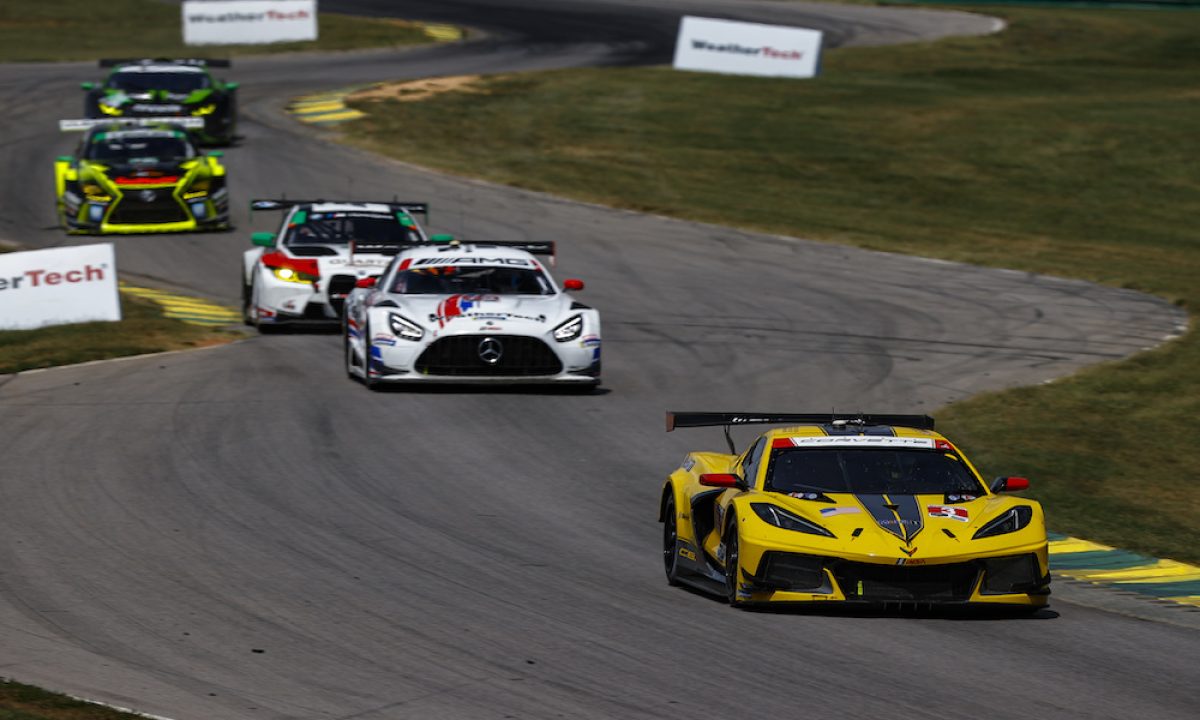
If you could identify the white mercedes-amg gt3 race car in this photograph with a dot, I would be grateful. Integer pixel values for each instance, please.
(470, 313)
(301, 274)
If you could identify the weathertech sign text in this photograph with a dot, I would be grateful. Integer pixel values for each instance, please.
(739, 48)
(229, 22)
(58, 286)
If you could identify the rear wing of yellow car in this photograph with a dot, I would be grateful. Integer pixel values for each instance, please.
(728, 420)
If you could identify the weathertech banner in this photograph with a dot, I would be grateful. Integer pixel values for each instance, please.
(739, 48)
(248, 22)
(58, 286)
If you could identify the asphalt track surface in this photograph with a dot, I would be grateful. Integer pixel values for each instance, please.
(244, 533)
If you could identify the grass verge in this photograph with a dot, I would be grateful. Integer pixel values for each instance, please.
(35, 30)
(24, 702)
(1065, 145)
(143, 330)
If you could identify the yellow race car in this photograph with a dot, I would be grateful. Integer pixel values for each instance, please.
(872, 509)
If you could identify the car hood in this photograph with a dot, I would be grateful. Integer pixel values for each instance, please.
(902, 524)
(472, 313)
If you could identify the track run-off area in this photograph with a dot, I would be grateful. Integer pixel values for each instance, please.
(244, 533)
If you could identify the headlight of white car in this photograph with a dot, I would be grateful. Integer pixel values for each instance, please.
(404, 328)
(569, 330)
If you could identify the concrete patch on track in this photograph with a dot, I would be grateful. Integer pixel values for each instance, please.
(1103, 565)
(191, 310)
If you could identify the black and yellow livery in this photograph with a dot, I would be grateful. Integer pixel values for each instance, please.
(139, 177)
(849, 509)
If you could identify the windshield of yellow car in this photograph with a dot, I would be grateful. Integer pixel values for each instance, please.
(870, 471)
(140, 146)
(487, 279)
(141, 80)
(339, 228)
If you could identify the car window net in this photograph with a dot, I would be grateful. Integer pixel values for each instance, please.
(172, 82)
(450, 280)
(869, 472)
(139, 148)
(382, 230)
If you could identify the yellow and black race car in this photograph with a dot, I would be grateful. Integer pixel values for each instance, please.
(139, 176)
(875, 509)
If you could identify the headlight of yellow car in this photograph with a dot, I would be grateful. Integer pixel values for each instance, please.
(111, 109)
(292, 276)
(205, 110)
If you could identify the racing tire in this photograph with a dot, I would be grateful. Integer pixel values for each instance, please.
(247, 292)
(348, 352)
(670, 543)
(371, 384)
(732, 565)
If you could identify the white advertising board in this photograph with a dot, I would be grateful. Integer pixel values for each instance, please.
(248, 22)
(738, 48)
(58, 286)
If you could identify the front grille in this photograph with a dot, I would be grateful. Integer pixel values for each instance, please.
(1015, 574)
(460, 356)
(134, 209)
(792, 571)
(906, 583)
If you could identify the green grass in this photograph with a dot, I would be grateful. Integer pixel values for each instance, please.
(33, 30)
(24, 702)
(143, 330)
(1066, 145)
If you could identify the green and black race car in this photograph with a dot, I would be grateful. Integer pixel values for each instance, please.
(139, 176)
(167, 88)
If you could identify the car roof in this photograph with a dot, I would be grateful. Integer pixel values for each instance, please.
(159, 67)
(456, 250)
(349, 207)
(817, 436)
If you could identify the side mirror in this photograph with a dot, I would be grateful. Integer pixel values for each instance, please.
(64, 158)
(215, 153)
(231, 86)
(1010, 484)
(367, 282)
(87, 86)
(442, 238)
(263, 239)
(572, 284)
(722, 480)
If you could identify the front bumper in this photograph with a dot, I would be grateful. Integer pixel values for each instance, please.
(1014, 576)
(127, 214)
(459, 359)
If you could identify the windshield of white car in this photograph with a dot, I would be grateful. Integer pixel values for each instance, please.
(140, 146)
(874, 471)
(139, 82)
(491, 280)
(367, 229)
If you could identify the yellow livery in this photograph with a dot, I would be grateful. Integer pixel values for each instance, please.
(874, 509)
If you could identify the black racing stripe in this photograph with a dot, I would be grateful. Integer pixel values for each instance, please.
(877, 505)
(912, 521)
(900, 515)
